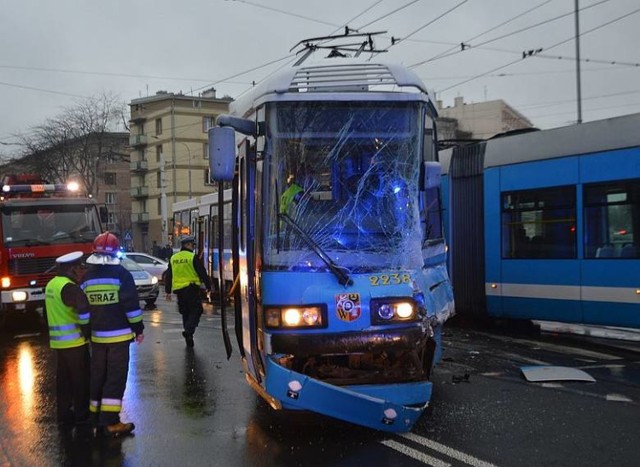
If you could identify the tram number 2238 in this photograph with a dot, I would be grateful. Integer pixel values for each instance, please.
(389, 279)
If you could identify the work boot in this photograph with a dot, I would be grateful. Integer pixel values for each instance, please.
(188, 338)
(118, 429)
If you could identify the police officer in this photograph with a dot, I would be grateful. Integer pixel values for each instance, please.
(291, 195)
(116, 321)
(185, 276)
(68, 319)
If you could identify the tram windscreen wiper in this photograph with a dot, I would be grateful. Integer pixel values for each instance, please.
(340, 273)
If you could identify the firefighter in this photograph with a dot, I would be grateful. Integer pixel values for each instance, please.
(116, 321)
(68, 320)
(185, 277)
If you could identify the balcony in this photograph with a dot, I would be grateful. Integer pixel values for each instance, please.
(140, 191)
(136, 119)
(140, 217)
(137, 140)
(139, 166)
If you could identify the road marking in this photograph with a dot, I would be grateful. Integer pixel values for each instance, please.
(567, 350)
(22, 336)
(522, 358)
(618, 398)
(414, 453)
(448, 451)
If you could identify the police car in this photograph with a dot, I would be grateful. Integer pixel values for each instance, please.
(147, 285)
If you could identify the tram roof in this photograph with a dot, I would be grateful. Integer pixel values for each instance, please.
(578, 139)
(331, 77)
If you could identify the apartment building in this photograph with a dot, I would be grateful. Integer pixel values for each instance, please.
(483, 120)
(169, 160)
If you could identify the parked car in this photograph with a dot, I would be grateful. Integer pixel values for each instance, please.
(146, 283)
(151, 264)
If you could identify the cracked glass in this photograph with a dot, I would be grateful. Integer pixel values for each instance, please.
(347, 175)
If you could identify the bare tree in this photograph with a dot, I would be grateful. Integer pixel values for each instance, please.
(74, 143)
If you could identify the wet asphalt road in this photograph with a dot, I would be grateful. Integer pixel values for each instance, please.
(193, 407)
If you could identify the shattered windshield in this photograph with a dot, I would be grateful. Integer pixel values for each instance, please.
(46, 224)
(346, 174)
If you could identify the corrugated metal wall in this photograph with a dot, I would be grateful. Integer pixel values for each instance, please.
(467, 229)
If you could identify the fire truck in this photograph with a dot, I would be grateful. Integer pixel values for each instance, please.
(40, 222)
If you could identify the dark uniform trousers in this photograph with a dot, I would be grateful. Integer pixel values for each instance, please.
(190, 307)
(72, 384)
(109, 368)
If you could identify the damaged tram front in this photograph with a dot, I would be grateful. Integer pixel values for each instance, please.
(337, 240)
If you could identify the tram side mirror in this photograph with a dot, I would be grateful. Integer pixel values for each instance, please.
(222, 153)
(432, 175)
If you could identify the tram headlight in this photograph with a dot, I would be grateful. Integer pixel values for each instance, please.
(6, 282)
(295, 317)
(391, 310)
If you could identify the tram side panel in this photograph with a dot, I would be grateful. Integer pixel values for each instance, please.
(610, 269)
(531, 240)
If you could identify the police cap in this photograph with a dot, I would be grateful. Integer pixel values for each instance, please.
(69, 258)
(187, 239)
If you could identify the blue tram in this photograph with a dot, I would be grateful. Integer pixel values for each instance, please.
(545, 225)
(199, 216)
(337, 239)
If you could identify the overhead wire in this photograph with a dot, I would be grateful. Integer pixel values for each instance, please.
(333, 32)
(32, 88)
(545, 48)
(386, 15)
(288, 13)
(497, 26)
(504, 36)
(429, 23)
(106, 73)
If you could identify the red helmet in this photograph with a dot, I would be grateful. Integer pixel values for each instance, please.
(106, 244)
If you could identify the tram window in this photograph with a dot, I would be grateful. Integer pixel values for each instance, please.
(611, 218)
(539, 223)
(434, 215)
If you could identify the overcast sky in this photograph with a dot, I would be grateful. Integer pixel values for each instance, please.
(56, 51)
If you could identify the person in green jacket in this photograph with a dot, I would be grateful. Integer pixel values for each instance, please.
(185, 277)
(67, 311)
(291, 196)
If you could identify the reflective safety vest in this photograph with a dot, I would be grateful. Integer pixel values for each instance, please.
(63, 320)
(182, 271)
(288, 197)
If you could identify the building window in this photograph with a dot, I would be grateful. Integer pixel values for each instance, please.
(158, 126)
(539, 223)
(207, 178)
(611, 218)
(158, 152)
(205, 150)
(159, 181)
(160, 206)
(109, 178)
(110, 197)
(208, 122)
